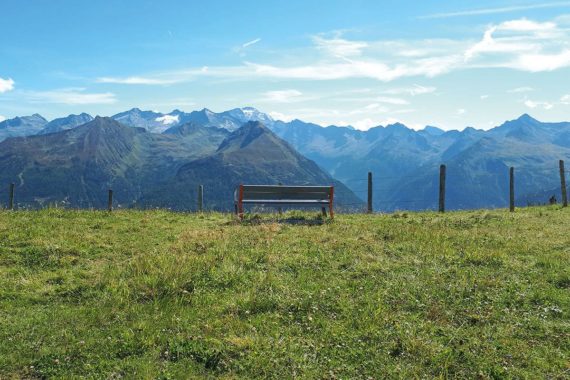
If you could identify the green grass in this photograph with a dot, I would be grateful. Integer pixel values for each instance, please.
(154, 294)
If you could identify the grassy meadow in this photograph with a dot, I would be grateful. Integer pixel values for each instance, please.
(157, 294)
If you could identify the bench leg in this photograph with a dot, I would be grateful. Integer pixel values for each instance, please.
(324, 211)
(240, 211)
(240, 203)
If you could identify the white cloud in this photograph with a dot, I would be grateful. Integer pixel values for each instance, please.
(486, 11)
(413, 91)
(565, 99)
(461, 111)
(252, 42)
(542, 62)
(532, 104)
(520, 89)
(525, 25)
(371, 69)
(6, 85)
(136, 80)
(2, 118)
(282, 96)
(168, 119)
(70, 96)
(483, 97)
(280, 116)
(523, 45)
(519, 44)
(364, 124)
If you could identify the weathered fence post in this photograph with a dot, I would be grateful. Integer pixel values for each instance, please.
(512, 189)
(200, 197)
(110, 201)
(279, 209)
(11, 198)
(563, 184)
(442, 170)
(369, 193)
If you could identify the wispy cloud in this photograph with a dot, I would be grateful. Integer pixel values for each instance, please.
(282, 96)
(533, 104)
(6, 85)
(521, 44)
(520, 89)
(414, 90)
(70, 96)
(339, 47)
(252, 42)
(136, 80)
(356, 68)
(565, 99)
(241, 50)
(2, 118)
(487, 11)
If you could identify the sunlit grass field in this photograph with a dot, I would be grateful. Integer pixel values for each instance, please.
(156, 294)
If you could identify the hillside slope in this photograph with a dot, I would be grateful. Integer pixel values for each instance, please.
(77, 166)
(22, 126)
(176, 295)
(250, 155)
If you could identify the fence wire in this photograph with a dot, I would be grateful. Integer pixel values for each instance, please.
(351, 194)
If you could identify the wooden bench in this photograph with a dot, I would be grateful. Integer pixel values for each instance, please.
(284, 195)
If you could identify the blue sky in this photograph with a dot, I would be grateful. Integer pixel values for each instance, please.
(364, 63)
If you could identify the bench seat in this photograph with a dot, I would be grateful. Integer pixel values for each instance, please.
(286, 201)
(283, 195)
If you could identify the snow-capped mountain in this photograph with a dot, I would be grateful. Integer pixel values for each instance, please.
(230, 120)
(157, 122)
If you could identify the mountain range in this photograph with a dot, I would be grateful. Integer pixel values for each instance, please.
(177, 149)
(76, 166)
(405, 163)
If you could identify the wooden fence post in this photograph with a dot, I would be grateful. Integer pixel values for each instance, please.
(279, 209)
(442, 170)
(563, 184)
(512, 189)
(370, 193)
(200, 198)
(110, 201)
(11, 198)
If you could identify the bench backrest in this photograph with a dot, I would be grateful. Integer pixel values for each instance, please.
(268, 192)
